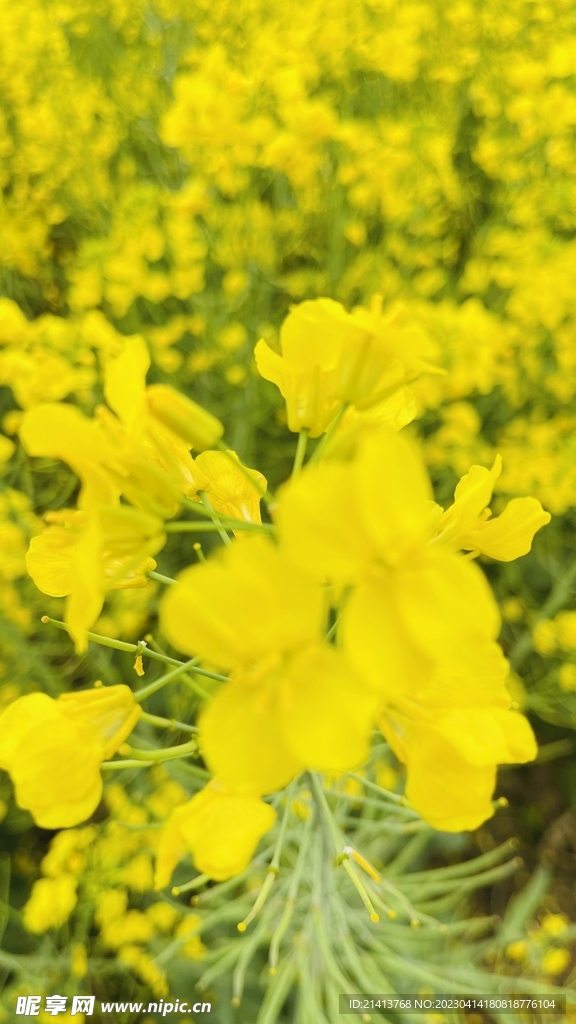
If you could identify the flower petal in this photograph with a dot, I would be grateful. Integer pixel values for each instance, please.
(242, 737)
(510, 535)
(327, 711)
(446, 604)
(320, 524)
(220, 827)
(393, 492)
(248, 604)
(377, 643)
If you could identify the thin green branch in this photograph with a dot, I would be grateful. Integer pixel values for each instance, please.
(158, 684)
(166, 723)
(300, 451)
(215, 518)
(318, 451)
(160, 578)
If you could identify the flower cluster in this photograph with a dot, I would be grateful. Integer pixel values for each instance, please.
(360, 543)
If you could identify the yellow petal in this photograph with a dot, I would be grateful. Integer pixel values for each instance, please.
(486, 736)
(242, 737)
(520, 740)
(18, 718)
(445, 603)
(304, 385)
(475, 679)
(510, 535)
(232, 489)
(61, 431)
(448, 792)
(56, 773)
(473, 494)
(393, 492)
(84, 603)
(171, 849)
(320, 524)
(327, 712)
(110, 712)
(222, 829)
(377, 643)
(125, 382)
(314, 333)
(50, 560)
(243, 606)
(270, 365)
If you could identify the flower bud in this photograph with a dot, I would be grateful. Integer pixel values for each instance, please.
(198, 427)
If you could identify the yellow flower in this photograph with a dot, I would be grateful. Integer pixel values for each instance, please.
(193, 948)
(142, 452)
(61, 431)
(252, 610)
(52, 749)
(83, 555)
(330, 356)
(555, 924)
(229, 488)
(467, 523)
(555, 961)
(419, 625)
(517, 950)
(567, 677)
(221, 829)
(149, 435)
(79, 960)
(51, 902)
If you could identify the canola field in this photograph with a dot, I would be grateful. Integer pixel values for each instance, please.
(287, 509)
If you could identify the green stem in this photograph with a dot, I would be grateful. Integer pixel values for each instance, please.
(160, 578)
(332, 631)
(196, 883)
(142, 648)
(166, 723)
(394, 798)
(163, 754)
(158, 684)
(113, 766)
(215, 518)
(194, 685)
(300, 451)
(326, 812)
(284, 922)
(317, 453)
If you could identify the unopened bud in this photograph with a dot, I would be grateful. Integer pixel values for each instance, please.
(195, 425)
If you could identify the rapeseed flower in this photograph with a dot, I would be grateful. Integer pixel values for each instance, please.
(219, 827)
(254, 612)
(467, 524)
(330, 357)
(231, 488)
(51, 902)
(83, 555)
(52, 749)
(420, 624)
